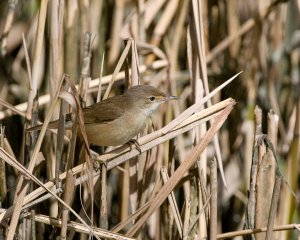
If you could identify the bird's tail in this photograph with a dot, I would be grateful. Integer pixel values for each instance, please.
(51, 125)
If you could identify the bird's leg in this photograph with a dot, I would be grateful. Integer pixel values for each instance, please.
(96, 151)
(137, 145)
(96, 165)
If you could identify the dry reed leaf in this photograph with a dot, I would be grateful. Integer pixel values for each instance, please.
(233, 26)
(103, 216)
(245, 28)
(14, 163)
(197, 30)
(204, 208)
(31, 103)
(213, 200)
(172, 202)
(165, 19)
(28, 65)
(133, 180)
(131, 218)
(151, 9)
(22, 107)
(178, 34)
(199, 84)
(250, 212)
(117, 20)
(191, 110)
(100, 79)
(12, 108)
(7, 27)
(3, 189)
(60, 139)
(287, 205)
(187, 217)
(68, 199)
(274, 206)
(134, 64)
(80, 97)
(93, 87)
(256, 230)
(86, 150)
(37, 57)
(117, 69)
(142, 46)
(181, 170)
(85, 69)
(162, 25)
(98, 233)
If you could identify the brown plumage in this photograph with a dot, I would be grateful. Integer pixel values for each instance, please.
(118, 119)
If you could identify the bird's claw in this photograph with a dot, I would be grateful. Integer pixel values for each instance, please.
(97, 165)
(137, 145)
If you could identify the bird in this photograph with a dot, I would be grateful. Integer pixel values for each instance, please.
(117, 120)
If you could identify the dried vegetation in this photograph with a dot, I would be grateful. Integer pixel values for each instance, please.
(221, 162)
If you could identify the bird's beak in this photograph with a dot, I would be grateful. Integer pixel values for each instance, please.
(172, 98)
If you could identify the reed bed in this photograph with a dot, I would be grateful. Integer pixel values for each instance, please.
(221, 162)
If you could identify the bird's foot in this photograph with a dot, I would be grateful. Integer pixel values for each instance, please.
(97, 165)
(137, 145)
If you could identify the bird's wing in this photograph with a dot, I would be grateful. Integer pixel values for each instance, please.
(102, 112)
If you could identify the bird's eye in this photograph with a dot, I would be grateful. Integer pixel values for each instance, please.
(152, 98)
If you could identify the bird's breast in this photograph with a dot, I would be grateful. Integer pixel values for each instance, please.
(116, 132)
